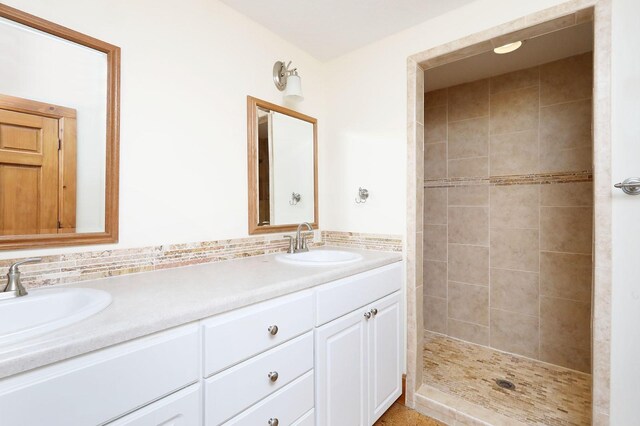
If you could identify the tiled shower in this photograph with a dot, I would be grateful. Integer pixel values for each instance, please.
(509, 214)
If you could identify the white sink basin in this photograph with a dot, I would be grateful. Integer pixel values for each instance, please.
(320, 257)
(42, 311)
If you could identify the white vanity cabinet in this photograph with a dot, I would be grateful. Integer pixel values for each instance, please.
(304, 359)
(359, 355)
(101, 386)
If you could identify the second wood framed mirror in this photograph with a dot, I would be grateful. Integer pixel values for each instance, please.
(282, 149)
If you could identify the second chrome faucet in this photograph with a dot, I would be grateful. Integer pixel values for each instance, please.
(298, 243)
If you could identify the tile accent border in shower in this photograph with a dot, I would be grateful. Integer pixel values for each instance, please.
(528, 179)
(91, 265)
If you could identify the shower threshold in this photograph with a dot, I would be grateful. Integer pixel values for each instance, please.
(464, 383)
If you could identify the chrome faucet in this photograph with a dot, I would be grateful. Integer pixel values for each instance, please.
(299, 243)
(14, 287)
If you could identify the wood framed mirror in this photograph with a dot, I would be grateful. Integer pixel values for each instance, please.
(282, 149)
(59, 135)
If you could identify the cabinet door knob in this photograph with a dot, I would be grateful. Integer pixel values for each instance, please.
(273, 330)
(374, 312)
(273, 376)
(367, 315)
(273, 422)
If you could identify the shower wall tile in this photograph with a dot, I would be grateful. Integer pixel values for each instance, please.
(567, 79)
(516, 249)
(507, 247)
(468, 138)
(435, 206)
(435, 278)
(435, 121)
(435, 242)
(469, 303)
(477, 195)
(576, 194)
(515, 206)
(514, 153)
(566, 229)
(469, 225)
(436, 98)
(566, 275)
(469, 100)
(515, 80)
(435, 160)
(570, 159)
(435, 314)
(515, 333)
(565, 137)
(469, 264)
(469, 332)
(469, 167)
(515, 111)
(565, 333)
(515, 291)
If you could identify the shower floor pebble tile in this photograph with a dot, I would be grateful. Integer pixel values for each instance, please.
(544, 394)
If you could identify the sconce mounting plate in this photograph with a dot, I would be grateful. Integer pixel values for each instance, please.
(280, 75)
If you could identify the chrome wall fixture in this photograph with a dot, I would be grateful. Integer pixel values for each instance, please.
(630, 186)
(363, 194)
(295, 198)
(287, 80)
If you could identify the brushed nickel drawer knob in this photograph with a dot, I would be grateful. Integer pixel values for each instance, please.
(367, 315)
(273, 376)
(374, 312)
(273, 330)
(273, 422)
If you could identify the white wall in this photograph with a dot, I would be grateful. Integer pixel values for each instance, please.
(625, 350)
(187, 67)
(44, 68)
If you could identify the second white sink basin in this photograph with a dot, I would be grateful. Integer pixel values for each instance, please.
(320, 257)
(42, 311)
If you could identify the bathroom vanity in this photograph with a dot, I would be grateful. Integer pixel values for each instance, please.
(254, 341)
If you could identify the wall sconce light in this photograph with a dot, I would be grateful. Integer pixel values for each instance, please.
(288, 80)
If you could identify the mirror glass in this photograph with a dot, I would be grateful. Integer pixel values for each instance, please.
(53, 133)
(283, 144)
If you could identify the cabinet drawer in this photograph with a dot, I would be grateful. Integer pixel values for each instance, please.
(348, 294)
(245, 384)
(101, 386)
(287, 405)
(179, 409)
(235, 336)
(306, 419)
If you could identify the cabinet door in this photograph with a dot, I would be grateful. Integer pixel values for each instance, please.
(385, 340)
(341, 371)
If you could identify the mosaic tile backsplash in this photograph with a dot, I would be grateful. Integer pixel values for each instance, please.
(508, 213)
(73, 267)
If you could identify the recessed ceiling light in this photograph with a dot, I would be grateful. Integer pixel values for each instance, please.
(508, 48)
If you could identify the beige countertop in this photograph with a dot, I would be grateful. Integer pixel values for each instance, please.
(149, 302)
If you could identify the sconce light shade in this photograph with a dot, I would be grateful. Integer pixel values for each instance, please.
(294, 88)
